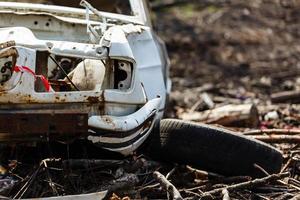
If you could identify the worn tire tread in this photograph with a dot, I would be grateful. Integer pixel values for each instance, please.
(214, 149)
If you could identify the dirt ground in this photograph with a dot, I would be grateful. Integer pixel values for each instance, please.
(246, 49)
(236, 52)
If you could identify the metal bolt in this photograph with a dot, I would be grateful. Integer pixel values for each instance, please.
(99, 50)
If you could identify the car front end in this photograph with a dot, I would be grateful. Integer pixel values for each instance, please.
(79, 74)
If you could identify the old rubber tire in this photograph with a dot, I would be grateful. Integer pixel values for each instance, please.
(214, 149)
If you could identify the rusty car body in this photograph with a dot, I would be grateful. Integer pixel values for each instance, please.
(70, 73)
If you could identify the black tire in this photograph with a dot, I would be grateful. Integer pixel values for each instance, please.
(213, 149)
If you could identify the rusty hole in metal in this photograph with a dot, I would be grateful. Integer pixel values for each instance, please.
(93, 99)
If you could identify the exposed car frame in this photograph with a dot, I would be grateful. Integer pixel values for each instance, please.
(118, 117)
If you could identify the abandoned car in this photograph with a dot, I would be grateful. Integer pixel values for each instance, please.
(71, 72)
(96, 71)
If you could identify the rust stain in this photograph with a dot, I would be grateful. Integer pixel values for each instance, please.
(109, 121)
(102, 104)
(7, 44)
(9, 52)
(93, 99)
(58, 99)
(147, 125)
(96, 99)
(3, 93)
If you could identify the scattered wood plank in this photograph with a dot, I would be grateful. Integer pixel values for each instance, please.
(278, 138)
(273, 131)
(286, 96)
(244, 115)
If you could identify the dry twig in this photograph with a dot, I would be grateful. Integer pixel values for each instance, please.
(172, 191)
(273, 131)
(244, 185)
(278, 138)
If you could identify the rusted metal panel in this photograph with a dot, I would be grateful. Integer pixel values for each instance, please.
(45, 126)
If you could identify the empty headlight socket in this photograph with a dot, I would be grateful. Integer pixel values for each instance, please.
(122, 74)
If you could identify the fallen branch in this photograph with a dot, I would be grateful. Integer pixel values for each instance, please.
(29, 180)
(296, 197)
(286, 96)
(273, 131)
(225, 194)
(172, 191)
(244, 185)
(157, 184)
(277, 138)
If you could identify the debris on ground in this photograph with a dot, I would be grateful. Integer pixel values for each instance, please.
(235, 64)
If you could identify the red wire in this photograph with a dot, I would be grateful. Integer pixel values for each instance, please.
(27, 69)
